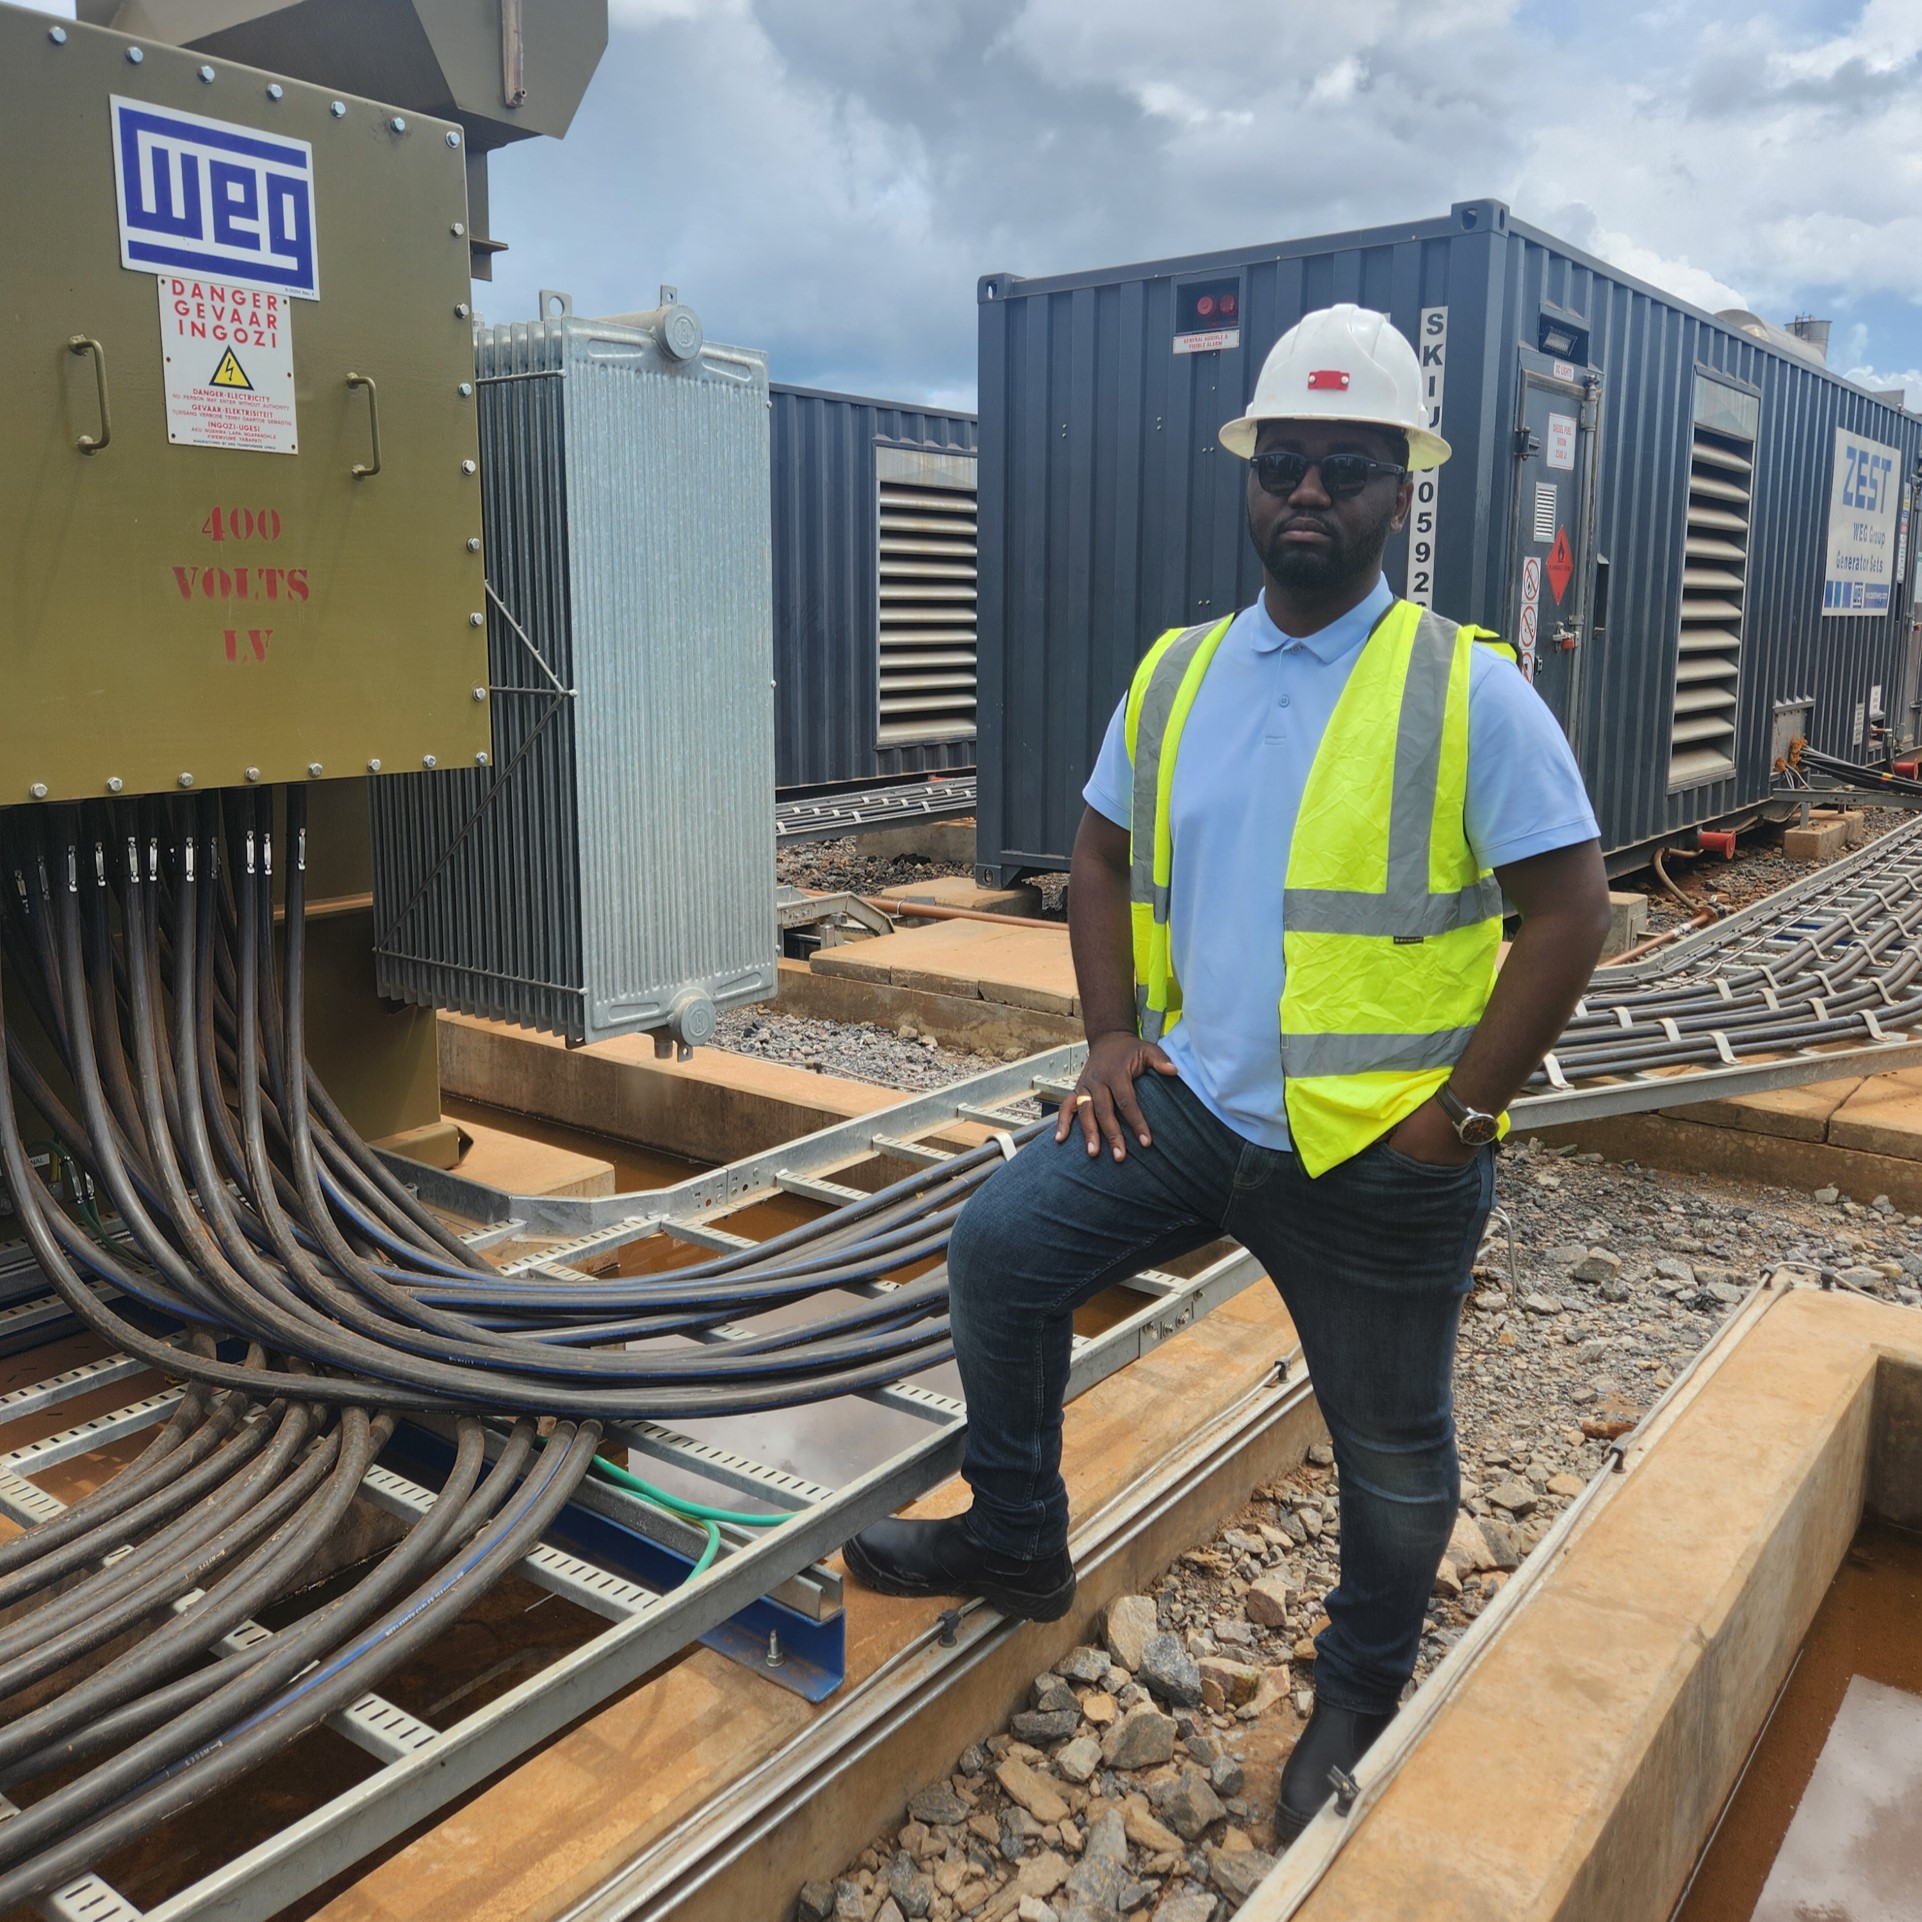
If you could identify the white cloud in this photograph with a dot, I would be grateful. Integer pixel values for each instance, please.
(830, 181)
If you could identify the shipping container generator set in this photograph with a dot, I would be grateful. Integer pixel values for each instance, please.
(1699, 540)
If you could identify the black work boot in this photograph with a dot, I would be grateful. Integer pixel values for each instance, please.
(1335, 1738)
(942, 1558)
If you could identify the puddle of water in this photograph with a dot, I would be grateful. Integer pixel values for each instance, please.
(1827, 1823)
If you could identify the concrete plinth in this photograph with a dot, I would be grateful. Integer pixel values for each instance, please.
(1018, 966)
(1822, 840)
(960, 891)
(948, 841)
(1861, 1135)
(717, 1107)
(1627, 920)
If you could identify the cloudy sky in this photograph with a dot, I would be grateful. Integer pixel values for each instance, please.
(828, 178)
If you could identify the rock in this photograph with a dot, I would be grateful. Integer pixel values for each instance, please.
(1269, 1600)
(1028, 1786)
(1094, 1883)
(1237, 1873)
(1193, 1807)
(1227, 1776)
(1304, 1650)
(1310, 1519)
(1141, 1739)
(850, 1904)
(1597, 1265)
(1566, 1486)
(1099, 1707)
(1186, 1905)
(909, 1888)
(1828, 1197)
(1042, 1874)
(1079, 1759)
(1517, 1497)
(1237, 1681)
(1146, 1831)
(1131, 1621)
(1170, 1671)
(1323, 1456)
(1050, 1693)
(938, 1806)
(974, 1760)
(1725, 1292)
(816, 1903)
(1039, 1727)
(1033, 1909)
(1541, 1304)
(1503, 1546)
(889, 1911)
(1084, 1665)
(1447, 1581)
(1673, 1268)
(1468, 1547)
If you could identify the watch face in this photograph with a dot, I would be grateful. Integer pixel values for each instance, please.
(1478, 1130)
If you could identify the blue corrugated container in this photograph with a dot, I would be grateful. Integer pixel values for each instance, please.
(1645, 496)
(874, 593)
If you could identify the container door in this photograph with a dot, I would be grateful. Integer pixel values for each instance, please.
(1551, 573)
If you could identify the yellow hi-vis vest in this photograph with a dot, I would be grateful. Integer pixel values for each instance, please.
(1391, 928)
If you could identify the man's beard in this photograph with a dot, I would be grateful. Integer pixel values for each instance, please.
(1343, 562)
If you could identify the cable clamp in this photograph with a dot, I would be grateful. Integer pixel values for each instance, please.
(1868, 1020)
(1626, 1019)
(100, 864)
(133, 861)
(1723, 989)
(73, 870)
(1722, 1047)
(1818, 1008)
(1005, 1142)
(266, 853)
(1669, 1028)
(1581, 1009)
(1554, 1070)
(1774, 1001)
(250, 850)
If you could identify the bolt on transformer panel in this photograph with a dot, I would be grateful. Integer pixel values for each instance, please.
(240, 511)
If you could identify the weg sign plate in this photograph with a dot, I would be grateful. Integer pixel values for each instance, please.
(200, 196)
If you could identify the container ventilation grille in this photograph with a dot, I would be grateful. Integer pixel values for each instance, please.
(1714, 589)
(926, 631)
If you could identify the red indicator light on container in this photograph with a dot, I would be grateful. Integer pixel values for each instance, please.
(1228, 305)
(1205, 305)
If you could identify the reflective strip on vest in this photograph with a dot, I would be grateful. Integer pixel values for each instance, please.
(1165, 676)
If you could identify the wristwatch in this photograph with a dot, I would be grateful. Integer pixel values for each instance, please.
(1475, 1129)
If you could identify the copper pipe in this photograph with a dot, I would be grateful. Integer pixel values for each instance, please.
(932, 911)
(1659, 940)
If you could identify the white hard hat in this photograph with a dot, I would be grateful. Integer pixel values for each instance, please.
(1341, 363)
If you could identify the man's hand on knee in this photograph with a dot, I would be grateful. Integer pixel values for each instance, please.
(1104, 1101)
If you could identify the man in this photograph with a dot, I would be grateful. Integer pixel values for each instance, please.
(1286, 912)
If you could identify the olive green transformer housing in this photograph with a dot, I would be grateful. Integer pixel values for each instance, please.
(302, 599)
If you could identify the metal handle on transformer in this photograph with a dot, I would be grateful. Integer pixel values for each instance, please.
(364, 470)
(84, 344)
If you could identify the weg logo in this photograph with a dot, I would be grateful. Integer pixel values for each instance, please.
(202, 197)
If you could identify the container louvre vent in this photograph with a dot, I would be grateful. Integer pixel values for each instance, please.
(926, 631)
(1714, 590)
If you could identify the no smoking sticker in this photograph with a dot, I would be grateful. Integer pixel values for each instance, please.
(228, 355)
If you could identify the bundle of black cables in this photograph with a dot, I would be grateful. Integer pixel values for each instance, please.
(142, 938)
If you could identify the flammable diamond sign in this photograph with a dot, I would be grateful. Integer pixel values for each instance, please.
(228, 356)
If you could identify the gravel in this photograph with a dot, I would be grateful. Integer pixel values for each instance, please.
(1540, 1395)
(855, 1050)
(1759, 868)
(841, 867)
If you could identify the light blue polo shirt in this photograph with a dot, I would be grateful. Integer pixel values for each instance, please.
(1240, 770)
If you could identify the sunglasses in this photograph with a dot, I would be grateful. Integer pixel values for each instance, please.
(1343, 476)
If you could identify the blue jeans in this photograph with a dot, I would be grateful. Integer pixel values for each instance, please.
(1372, 1260)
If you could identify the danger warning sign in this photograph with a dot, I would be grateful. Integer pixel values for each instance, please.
(228, 355)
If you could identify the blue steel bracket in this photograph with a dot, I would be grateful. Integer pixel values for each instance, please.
(789, 1648)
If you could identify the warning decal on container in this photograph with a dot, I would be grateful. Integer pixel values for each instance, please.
(1530, 613)
(228, 356)
(1561, 440)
